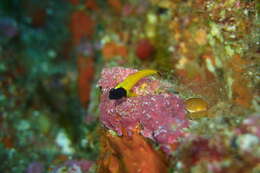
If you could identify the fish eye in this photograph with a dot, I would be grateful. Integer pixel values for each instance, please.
(117, 93)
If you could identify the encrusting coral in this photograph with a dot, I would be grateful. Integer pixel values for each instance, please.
(153, 114)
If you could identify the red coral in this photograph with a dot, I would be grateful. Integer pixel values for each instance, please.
(130, 154)
(86, 73)
(201, 150)
(81, 26)
(144, 49)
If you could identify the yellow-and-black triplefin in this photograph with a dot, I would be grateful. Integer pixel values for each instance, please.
(123, 88)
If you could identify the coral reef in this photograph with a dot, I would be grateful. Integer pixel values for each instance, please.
(237, 151)
(200, 115)
(129, 154)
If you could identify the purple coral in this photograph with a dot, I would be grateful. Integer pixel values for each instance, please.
(161, 116)
(74, 166)
(35, 167)
(8, 27)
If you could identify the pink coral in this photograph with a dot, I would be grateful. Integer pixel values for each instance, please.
(161, 116)
(250, 125)
(247, 139)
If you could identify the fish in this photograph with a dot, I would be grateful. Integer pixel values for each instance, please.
(196, 108)
(123, 89)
